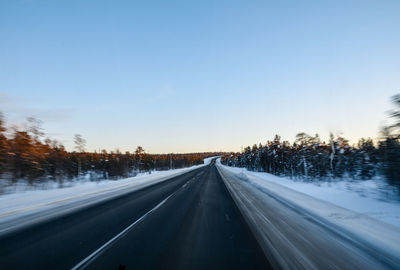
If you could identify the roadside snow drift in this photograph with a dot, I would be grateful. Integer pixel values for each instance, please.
(24, 208)
(251, 191)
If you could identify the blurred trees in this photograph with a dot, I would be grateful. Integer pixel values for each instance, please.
(80, 143)
(310, 158)
(390, 145)
(26, 154)
(3, 146)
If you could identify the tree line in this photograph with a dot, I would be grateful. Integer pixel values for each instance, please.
(309, 157)
(25, 153)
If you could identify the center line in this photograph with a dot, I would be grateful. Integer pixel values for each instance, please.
(85, 262)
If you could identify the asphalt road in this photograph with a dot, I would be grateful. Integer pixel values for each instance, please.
(187, 222)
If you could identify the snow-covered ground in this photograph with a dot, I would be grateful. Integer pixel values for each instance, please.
(91, 178)
(35, 205)
(369, 222)
(370, 197)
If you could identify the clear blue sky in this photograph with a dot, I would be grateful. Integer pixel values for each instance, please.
(183, 76)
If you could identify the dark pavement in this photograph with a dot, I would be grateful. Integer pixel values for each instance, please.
(197, 227)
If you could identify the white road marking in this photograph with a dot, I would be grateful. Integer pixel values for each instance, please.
(85, 262)
(227, 217)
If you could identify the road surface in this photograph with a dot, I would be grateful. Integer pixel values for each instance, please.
(187, 222)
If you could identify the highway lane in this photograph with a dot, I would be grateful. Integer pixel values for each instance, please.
(188, 222)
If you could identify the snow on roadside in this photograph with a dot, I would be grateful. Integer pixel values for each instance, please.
(253, 192)
(364, 197)
(27, 206)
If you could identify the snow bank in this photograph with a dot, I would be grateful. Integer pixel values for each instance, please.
(24, 208)
(343, 210)
(369, 197)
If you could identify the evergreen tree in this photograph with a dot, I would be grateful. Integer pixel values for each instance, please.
(3, 146)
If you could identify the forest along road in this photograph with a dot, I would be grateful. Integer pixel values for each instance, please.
(187, 222)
